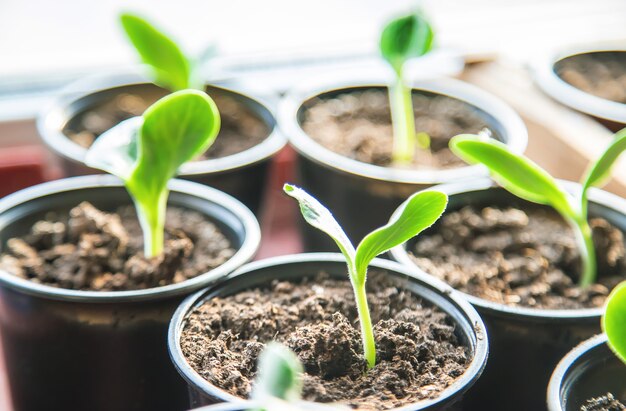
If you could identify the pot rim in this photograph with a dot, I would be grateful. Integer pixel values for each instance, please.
(562, 368)
(597, 196)
(244, 254)
(549, 82)
(512, 128)
(471, 374)
(54, 116)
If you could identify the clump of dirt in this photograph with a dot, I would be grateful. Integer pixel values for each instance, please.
(517, 257)
(418, 353)
(604, 403)
(358, 125)
(240, 128)
(94, 250)
(602, 74)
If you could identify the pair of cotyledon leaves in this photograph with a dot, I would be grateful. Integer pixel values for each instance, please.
(527, 180)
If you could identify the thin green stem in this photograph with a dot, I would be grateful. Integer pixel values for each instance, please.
(403, 120)
(367, 331)
(584, 237)
(152, 218)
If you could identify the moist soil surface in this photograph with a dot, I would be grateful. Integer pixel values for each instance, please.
(240, 129)
(602, 74)
(519, 258)
(604, 403)
(418, 352)
(358, 125)
(94, 250)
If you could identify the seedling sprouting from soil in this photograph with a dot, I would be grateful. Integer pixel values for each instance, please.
(170, 67)
(147, 151)
(419, 212)
(614, 321)
(278, 385)
(402, 39)
(525, 179)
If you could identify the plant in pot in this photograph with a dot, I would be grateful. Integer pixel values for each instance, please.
(237, 164)
(591, 377)
(375, 144)
(536, 257)
(587, 79)
(408, 344)
(86, 298)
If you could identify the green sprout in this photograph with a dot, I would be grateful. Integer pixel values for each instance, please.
(147, 151)
(419, 212)
(278, 385)
(402, 39)
(525, 179)
(614, 321)
(279, 376)
(170, 67)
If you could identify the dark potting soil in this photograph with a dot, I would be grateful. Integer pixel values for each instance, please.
(604, 403)
(418, 352)
(519, 258)
(93, 250)
(358, 125)
(240, 128)
(602, 74)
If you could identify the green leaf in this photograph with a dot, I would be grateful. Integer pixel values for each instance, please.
(419, 212)
(599, 173)
(115, 150)
(171, 68)
(147, 152)
(319, 217)
(514, 172)
(404, 38)
(279, 375)
(614, 320)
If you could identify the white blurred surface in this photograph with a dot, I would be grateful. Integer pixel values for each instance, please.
(52, 37)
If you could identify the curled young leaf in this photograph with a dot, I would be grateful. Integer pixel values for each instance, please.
(614, 321)
(171, 68)
(404, 38)
(419, 212)
(319, 217)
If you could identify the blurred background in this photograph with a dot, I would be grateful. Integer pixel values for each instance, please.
(45, 44)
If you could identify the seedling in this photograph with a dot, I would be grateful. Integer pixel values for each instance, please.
(525, 179)
(614, 321)
(171, 68)
(147, 151)
(278, 385)
(401, 40)
(419, 212)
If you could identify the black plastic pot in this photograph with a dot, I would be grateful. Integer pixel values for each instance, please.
(470, 328)
(89, 350)
(588, 371)
(363, 196)
(609, 113)
(242, 175)
(525, 343)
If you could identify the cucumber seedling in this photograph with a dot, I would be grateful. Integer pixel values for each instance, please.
(525, 179)
(278, 385)
(147, 151)
(419, 212)
(614, 321)
(170, 67)
(402, 39)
